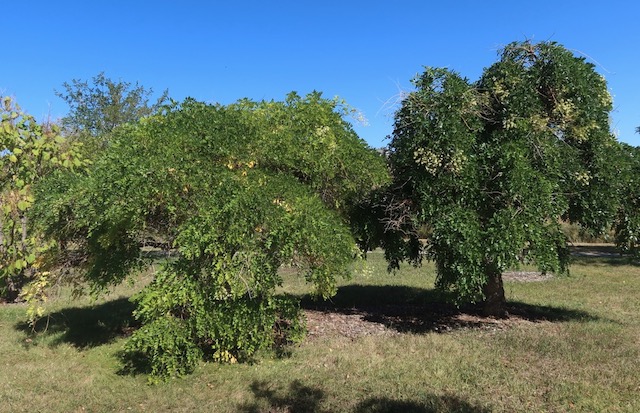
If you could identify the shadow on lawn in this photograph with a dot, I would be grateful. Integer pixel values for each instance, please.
(613, 261)
(86, 327)
(306, 399)
(405, 309)
(420, 310)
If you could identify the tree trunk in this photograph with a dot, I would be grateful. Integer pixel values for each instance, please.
(2, 248)
(494, 299)
(13, 283)
(23, 238)
(13, 288)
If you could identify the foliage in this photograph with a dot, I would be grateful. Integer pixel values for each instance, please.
(236, 191)
(493, 166)
(28, 152)
(99, 106)
(166, 346)
(577, 234)
(627, 223)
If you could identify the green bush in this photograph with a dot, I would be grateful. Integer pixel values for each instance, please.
(163, 348)
(237, 191)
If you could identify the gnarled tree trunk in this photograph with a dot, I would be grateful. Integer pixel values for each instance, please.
(494, 298)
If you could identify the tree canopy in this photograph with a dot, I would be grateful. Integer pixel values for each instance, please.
(98, 106)
(237, 191)
(492, 167)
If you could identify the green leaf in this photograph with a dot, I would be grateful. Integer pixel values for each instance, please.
(31, 258)
(23, 205)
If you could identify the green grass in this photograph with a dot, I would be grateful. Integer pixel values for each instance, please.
(574, 347)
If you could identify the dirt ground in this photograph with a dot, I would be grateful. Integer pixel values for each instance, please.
(393, 320)
(390, 320)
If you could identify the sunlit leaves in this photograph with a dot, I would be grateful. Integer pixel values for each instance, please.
(28, 152)
(235, 192)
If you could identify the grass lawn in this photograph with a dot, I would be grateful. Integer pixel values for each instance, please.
(385, 343)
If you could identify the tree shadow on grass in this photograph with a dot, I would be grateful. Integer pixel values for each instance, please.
(86, 327)
(429, 404)
(420, 310)
(611, 261)
(300, 398)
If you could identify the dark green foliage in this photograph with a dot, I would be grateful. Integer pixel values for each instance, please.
(627, 224)
(493, 166)
(99, 106)
(162, 348)
(234, 192)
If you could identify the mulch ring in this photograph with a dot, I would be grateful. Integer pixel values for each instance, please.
(393, 320)
(396, 320)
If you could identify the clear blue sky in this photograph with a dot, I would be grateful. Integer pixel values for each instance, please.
(364, 51)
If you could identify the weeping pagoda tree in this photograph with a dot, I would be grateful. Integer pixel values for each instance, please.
(233, 192)
(491, 168)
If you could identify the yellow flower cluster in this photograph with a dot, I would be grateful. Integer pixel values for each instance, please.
(283, 204)
(432, 162)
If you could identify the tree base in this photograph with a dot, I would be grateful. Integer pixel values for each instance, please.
(494, 304)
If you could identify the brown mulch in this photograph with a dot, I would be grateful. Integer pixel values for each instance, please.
(356, 324)
(325, 323)
(399, 319)
(396, 320)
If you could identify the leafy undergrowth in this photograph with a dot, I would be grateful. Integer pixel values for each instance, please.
(572, 344)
